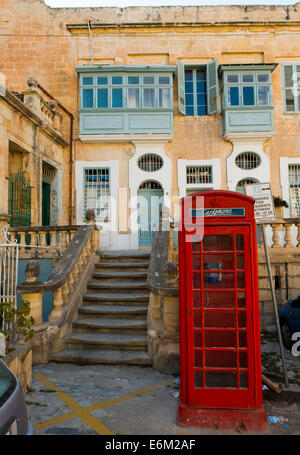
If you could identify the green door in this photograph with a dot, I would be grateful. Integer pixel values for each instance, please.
(149, 214)
(45, 203)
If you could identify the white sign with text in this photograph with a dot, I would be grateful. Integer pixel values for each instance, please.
(264, 206)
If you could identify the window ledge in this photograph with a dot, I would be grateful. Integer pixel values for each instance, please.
(253, 135)
(98, 138)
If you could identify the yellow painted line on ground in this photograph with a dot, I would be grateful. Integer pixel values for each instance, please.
(128, 396)
(84, 412)
(78, 411)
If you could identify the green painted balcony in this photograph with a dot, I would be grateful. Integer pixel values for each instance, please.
(247, 98)
(126, 99)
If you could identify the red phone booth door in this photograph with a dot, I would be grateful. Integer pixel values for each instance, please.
(220, 346)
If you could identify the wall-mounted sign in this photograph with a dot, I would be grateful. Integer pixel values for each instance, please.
(264, 206)
(200, 213)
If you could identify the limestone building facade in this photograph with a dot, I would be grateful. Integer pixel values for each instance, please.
(166, 101)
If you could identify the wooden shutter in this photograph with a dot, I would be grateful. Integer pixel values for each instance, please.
(212, 87)
(288, 86)
(181, 88)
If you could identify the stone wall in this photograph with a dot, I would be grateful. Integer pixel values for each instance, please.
(20, 362)
(27, 143)
(285, 267)
(163, 333)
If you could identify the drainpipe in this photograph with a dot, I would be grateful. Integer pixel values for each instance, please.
(91, 43)
(36, 166)
(71, 149)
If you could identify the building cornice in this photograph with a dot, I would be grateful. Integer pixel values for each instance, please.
(116, 26)
(14, 102)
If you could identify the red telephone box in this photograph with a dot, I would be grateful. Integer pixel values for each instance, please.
(220, 357)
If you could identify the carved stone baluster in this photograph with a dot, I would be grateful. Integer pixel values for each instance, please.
(22, 242)
(80, 263)
(53, 240)
(71, 283)
(82, 258)
(288, 236)
(58, 302)
(76, 273)
(43, 239)
(32, 271)
(64, 240)
(87, 249)
(90, 217)
(72, 233)
(65, 293)
(33, 239)
(86, 253)
(276, 238)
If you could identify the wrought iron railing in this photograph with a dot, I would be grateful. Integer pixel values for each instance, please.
(19, 199)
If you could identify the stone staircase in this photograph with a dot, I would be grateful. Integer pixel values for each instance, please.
(111, 327)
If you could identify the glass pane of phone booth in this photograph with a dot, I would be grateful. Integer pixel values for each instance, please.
(220, 288)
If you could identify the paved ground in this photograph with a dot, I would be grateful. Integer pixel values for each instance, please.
(70, 399)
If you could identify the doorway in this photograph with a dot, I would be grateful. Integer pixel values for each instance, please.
(149, 211)
(46, 187)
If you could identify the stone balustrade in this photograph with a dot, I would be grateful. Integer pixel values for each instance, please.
(42, 241)
(282, 234)
(46, 110)
(163, 314)
(65, 276)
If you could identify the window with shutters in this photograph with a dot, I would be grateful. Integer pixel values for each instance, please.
(247, 89)
(124, 92)
(246, 93)
(291, 88)
(198, 89)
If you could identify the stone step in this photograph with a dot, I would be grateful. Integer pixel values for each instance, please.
(131, 298)
(90, 340)
(112, 324)
(116, 286)
(124, 256)
(111, 327)
(113, 276)
(100, 303)
(99, 356)
(107, 311)
(99, 265)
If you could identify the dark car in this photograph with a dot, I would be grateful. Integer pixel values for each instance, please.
(13, 411)
(289, 317)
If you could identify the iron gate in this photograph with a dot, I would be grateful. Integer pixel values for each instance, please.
(19, 199)
(9, 257)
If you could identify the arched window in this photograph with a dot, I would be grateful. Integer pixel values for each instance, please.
(247, 160)
(240, 187)
(150, 162)
(150, 185)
